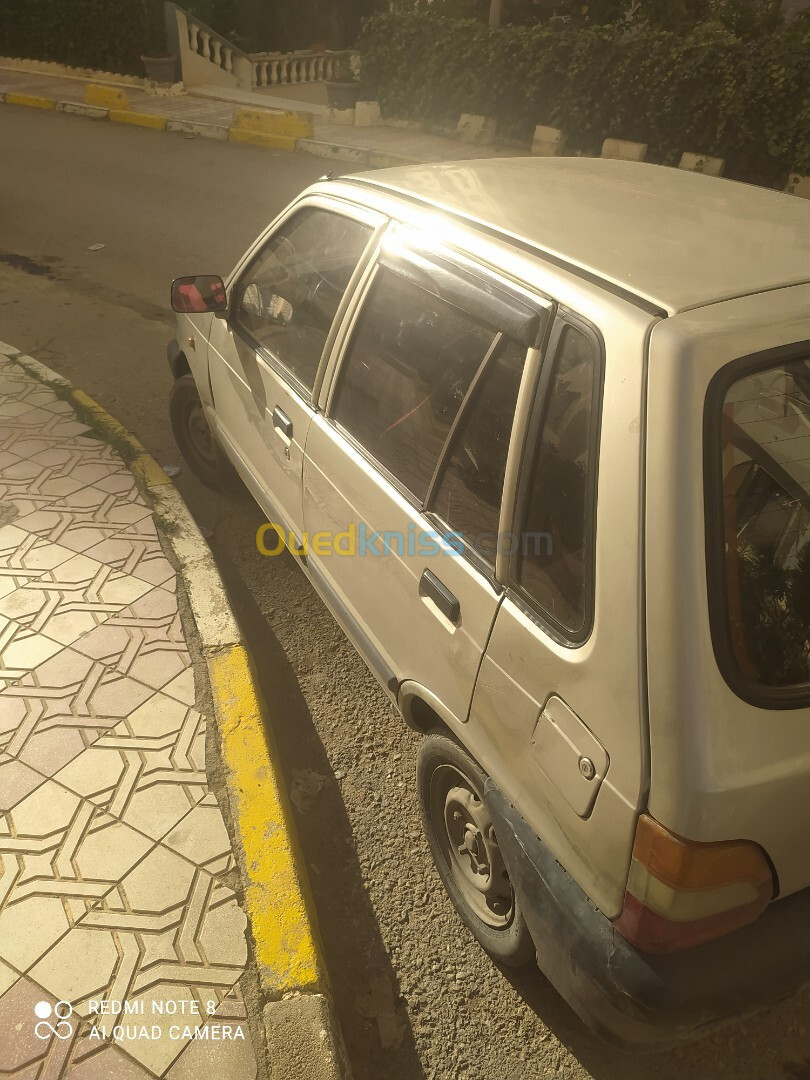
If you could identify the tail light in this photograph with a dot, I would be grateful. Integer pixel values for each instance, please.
(681, 893)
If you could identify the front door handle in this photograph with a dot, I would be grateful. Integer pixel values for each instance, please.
(282, 423)
(445, 601)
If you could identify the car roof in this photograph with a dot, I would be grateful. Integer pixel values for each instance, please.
(673, 238)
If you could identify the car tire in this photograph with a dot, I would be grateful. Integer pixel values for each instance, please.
(196, 441)
(462, 841)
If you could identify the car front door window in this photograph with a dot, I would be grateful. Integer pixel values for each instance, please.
(287, 298)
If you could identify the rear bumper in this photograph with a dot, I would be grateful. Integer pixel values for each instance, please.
(629, 998)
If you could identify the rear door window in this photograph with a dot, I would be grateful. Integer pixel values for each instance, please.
(554, 563)
(761, 506)
(470, 486)
(408, 368)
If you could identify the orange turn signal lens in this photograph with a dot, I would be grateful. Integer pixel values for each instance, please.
(681, 893)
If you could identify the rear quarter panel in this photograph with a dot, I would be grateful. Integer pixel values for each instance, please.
(721, 769)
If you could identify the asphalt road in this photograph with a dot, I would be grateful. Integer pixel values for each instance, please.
(416, 996)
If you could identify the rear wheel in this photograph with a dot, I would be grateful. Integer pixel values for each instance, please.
(193, 435)
(465, 849)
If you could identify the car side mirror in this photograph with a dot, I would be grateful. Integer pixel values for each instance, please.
(195, 295)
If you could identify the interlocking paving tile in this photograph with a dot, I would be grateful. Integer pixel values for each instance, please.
(24, 557)
(149, 770)
(106, 1063)
(137, 552)
(182, 687)
(21, 649)
(16, 781)
(202, 837)
(54, 712)
(170, 934)
(66, 487)
(72, 599)
(144, 640)
(20, 1049)
(112, 849)
(8, 976)
(59, 854)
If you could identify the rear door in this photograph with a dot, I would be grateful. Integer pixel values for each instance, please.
(265, 358)
(557, 716)
(404, 473)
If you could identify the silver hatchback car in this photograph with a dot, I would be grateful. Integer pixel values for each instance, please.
(538, 432)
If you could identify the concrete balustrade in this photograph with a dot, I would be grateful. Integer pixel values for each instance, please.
(207, 58)
(285, 69)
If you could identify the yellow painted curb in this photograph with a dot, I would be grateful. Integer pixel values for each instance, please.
(286, 953)
(259, 138)
(147, 120)
(31, 100)
(296, 125)
(142, 464)
(108, 97)
(147, 470)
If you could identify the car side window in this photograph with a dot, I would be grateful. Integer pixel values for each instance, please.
(468, 496)
(555, 560)
(409, 365)
(765, 500)
(287, 298)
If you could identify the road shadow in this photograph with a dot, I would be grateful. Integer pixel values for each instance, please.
(375, 1025)
(369, 1002)
(762, 1047)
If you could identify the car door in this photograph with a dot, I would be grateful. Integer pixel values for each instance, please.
(265, 357)
(557, 717)
(398, 468)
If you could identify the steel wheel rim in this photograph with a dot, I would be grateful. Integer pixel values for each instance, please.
(199, 434)
(470, 847)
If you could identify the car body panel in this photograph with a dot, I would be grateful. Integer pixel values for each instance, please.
(721, 768)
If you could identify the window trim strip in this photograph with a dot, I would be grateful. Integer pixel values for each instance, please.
(463, 289)
(536, 422)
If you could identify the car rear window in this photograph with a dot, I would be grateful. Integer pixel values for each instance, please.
(762, 514)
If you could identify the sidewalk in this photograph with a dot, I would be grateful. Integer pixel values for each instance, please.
(360, 145)
(129, 725)
(115, 857)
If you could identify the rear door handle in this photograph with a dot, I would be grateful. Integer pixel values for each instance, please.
(282, 423)
(445, 601)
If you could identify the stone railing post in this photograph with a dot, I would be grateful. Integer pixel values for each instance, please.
(206, 58)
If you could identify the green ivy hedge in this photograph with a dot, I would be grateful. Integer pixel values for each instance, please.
(708, 91)
(109, 35)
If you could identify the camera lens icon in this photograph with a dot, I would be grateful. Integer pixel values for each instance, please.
(61, 1013)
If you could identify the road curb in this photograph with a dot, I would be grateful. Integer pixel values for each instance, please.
(33, 101)
(301, 1035)
(366, 157)
(137, 119)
